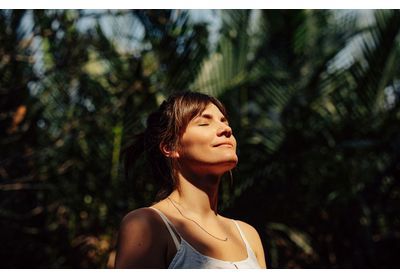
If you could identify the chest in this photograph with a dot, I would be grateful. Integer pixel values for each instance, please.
(205, 243)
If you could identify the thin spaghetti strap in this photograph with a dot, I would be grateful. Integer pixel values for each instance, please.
(168, 224)
(242, 235)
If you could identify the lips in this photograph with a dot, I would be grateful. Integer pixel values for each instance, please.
(228, 144)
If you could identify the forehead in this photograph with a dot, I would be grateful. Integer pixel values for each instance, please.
(210, 110)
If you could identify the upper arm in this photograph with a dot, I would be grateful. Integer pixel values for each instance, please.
(255, 242)
(139, 244)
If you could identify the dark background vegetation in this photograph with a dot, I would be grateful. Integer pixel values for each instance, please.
(313, 97)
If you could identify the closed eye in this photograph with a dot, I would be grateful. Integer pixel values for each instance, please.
(203, 124)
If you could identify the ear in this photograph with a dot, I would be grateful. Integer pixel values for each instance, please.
(168, 151)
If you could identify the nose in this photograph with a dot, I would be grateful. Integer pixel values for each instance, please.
(224, 130)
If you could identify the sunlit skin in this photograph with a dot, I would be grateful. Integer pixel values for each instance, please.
(206, 151)
(208, 145)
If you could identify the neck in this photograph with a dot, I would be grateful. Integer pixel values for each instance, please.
(197, 194)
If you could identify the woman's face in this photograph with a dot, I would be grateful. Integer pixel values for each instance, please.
(208, 145)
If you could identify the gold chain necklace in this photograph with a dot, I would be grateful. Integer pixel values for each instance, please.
(221, 239)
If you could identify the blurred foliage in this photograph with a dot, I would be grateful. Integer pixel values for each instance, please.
(313, 97)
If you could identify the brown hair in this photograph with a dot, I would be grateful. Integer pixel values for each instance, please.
(166, 126)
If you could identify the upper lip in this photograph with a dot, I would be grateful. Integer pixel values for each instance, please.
(225, 142)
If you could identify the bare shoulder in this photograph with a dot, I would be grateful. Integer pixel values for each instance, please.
(142, 222)
(251, 234)
(254, 240)
(141, 216)
(139, 241)
(248, 229)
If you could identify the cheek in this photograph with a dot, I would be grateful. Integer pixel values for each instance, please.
(196, 142)
(197, 145)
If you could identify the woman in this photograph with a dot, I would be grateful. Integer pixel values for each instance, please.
(190, 145)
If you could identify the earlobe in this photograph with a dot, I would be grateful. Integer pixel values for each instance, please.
(168, 151)
(174, 154)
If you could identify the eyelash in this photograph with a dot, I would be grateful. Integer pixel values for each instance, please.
(208, 124)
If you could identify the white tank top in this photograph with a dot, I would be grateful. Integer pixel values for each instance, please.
(188, 257)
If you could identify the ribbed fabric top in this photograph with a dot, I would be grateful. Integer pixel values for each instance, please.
(188, 257)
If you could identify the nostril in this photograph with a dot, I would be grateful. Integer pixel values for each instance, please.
(225, 131)
(228, 132)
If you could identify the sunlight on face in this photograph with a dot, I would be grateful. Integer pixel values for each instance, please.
(208, 144)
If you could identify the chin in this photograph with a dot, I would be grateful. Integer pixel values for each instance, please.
(223, 167)
(216, 166)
